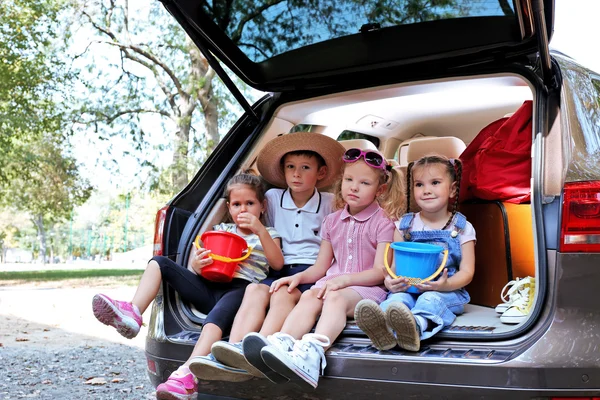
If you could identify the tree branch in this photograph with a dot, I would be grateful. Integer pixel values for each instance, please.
(128, 48)
(111, 118)
(237, 35)
(253, 46)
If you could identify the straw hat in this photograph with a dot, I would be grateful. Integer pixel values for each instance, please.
(269, 159)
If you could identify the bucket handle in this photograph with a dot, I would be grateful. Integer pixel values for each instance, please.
(413, 281)
(223, 258)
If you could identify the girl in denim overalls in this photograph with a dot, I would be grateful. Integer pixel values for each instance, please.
(413, 313)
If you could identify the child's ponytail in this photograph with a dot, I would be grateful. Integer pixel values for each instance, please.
(393, 200)
(457, 178)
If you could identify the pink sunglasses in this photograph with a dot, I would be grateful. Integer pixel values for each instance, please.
(372, 158)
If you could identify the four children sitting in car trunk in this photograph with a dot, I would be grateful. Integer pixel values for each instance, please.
(334, 247)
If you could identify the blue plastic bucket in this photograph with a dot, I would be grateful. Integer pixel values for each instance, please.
(415, 260)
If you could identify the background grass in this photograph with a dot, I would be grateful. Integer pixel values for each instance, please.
(59, 275)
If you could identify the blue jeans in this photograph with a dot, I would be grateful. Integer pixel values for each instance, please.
(438, 308)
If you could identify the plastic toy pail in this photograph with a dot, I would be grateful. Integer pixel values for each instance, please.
(418, 262)
(226, 251)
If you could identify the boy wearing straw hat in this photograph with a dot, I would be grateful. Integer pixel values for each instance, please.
(298, 164)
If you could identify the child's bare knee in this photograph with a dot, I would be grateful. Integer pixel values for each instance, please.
(283, 296)
(335, 297)
(310, 296)
(257, 291)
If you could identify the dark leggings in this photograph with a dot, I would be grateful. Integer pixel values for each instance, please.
(220, 301)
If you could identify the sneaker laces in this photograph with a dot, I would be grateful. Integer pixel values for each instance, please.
(516, 286)
(282, 341)
(315, 341)
(523, 301)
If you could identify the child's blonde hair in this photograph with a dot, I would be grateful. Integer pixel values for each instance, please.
(392, 201)
(453, 168)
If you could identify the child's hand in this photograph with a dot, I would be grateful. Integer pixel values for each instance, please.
(396, 285)
(436, 286)
(290, 281)
(246, 220)
(334, 284)
(201, 259)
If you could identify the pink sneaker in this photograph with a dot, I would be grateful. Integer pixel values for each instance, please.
(125, 317)
(181, 385)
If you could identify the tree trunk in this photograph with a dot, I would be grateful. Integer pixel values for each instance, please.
(39, 224)
(202, 75)
(186, 107)
(180, 152)
(211, 123)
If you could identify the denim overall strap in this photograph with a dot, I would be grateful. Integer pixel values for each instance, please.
(460, 221)
(406, 222)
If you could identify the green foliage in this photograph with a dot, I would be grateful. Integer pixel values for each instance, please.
(37, 175)
(31, 76)
(50, 185)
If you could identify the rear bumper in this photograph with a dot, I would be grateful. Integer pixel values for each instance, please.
(558, 357)
(359, 377)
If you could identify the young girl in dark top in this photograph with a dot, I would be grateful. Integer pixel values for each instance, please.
(220, 301)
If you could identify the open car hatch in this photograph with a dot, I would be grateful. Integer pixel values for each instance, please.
(279, 46)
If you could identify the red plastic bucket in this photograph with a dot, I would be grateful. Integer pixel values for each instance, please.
(226, 251)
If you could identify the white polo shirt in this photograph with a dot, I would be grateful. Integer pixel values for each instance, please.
(300, 228)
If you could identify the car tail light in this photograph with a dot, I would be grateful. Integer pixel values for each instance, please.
(580, 228)
(151, 366)
(575, 398)
(159, 230)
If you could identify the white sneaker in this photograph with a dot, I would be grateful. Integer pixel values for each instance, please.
(254, 342)
(304, 363)
(520, 308)
(511, 292)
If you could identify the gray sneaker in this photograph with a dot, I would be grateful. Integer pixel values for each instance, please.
(232, 355)
(209, 369)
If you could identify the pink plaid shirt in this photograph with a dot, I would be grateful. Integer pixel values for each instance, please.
(354, 239)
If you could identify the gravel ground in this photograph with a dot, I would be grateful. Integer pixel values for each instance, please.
(52, 347)
(74, 373)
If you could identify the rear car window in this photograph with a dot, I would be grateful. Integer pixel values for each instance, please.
(291, 25)
(350, 135)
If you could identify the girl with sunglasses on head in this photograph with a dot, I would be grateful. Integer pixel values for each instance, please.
(347, 270)
(419, 314)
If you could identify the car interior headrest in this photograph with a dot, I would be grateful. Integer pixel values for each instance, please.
(451, 147)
